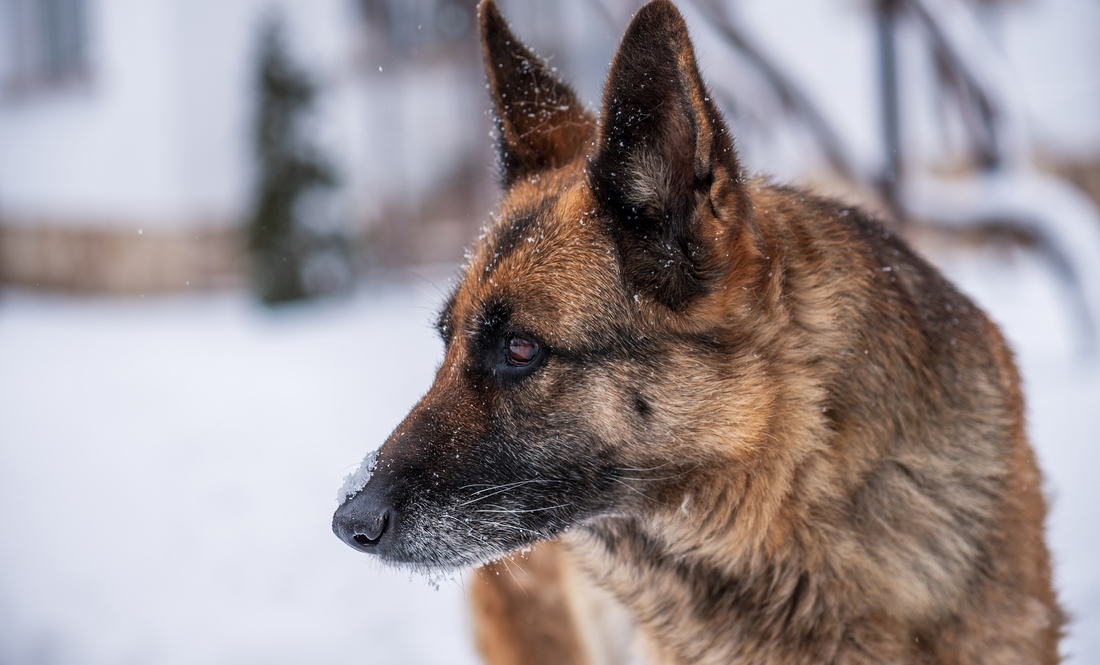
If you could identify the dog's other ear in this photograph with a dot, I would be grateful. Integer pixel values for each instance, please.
(541, 122)
(665, 161)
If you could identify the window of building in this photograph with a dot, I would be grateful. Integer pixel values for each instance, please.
(45, 44)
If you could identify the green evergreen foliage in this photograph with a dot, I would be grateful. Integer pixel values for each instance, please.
(290, 168)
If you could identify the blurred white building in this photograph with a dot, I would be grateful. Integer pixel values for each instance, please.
(121, 125)
(125, 130)
(125, 138)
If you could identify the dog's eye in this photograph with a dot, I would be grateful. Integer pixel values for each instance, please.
(521, 351)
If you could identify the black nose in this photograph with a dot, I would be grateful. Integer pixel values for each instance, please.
(363, 522)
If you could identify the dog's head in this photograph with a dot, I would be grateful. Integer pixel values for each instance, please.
(579, 375)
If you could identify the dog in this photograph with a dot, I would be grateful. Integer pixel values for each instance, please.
(745, 423)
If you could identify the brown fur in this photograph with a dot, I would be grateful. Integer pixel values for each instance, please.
(772, 431)
(513, 625)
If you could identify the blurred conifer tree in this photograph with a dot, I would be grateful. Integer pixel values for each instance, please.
(289, 168)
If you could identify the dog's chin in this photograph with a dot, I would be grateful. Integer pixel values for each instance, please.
(434, 564)
(443, 553)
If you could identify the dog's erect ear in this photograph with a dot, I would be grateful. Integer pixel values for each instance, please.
(541, 122)
(663, 152)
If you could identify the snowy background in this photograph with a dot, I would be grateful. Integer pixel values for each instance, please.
(168, 471)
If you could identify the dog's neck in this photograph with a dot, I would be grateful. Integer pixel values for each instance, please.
(775, 597)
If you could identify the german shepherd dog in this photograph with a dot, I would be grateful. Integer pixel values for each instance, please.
(749, 419)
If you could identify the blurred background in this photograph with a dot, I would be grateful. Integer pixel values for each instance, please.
(225, 227)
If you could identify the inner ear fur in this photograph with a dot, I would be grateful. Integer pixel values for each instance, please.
(662, 149)
(541, 122)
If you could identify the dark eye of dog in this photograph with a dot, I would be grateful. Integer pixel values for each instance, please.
(521, 351)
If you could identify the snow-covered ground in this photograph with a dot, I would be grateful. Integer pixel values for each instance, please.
(168, 470)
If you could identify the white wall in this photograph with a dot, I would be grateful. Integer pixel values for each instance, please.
(107, 150)
(214, 48)
(1054, 45)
